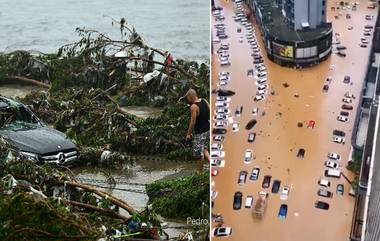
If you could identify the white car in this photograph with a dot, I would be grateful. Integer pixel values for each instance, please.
(222, 232)
(347, 100)
(342, 118)
(218, 154)
(259, 97)
(260, 92)
(220, 117)
(255, 111)
(221, 104)
(217, 163)
(248, 201)
(214, 195)
(220, 124)
(262, 68)
(262, 87)
(332, 164)
(225, 63)
(324, 183)
(216, 146)
(333, 156)
(338, 139)
(223, 98)
(248, 156)
(284, 193)
(262, 81)
(235, 127)
(224, 73)
(222, 111)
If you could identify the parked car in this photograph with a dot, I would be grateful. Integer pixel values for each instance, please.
(339, 133)
(324, 193)
(255, 174)
(235, 127)
(266, 181)
(347, 100)
(321, 205)
(324, 183)
(276, 186)
(333, 156)
(283, 211)
(248, 156)
(251, 137)
(222, 232)
(301, 153)
(31, 138)
(338, 139)
(347, 107)
(217, 162)
(340, 189)
(238, 197)
(332, 164)
(219, 131)
(218, 138)
(284, 193)
(248, 201)
(342, 118)
(242, 177)
(259, 97)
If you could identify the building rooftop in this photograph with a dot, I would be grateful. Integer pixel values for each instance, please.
(276, 25)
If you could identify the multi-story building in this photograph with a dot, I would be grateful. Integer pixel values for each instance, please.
(304, 14)
(295, 32)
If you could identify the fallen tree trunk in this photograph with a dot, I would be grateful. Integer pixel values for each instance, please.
(107, 212)
(113, 199)
(29, 81)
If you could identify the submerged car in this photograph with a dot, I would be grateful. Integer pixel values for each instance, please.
(31, 138)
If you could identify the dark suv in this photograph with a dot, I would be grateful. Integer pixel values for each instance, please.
(31, 138)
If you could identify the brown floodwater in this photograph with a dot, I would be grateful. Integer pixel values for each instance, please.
(278, 137)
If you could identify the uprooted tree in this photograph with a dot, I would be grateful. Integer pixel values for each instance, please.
(84, 88)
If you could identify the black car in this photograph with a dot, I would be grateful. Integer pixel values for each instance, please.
(219, 131)
(266, 181)
(301, 153)
(339, 133)
(31, 138)
(321, 205)
(238, 197)
(344, 113)
(276, 186)
(347, 107)
(251, 124)
(346, 79)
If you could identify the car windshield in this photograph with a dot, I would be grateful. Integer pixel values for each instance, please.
(17, 118)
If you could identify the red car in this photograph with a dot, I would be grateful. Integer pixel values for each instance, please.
(311, 124)
(214, 172)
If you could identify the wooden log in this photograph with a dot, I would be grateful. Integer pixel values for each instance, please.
(29, 81)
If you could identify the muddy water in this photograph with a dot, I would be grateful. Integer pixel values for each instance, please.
(143, 111)
(278, 138)
(12, 90)
(130, 183)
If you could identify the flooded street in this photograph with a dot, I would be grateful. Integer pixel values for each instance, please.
(279, 138)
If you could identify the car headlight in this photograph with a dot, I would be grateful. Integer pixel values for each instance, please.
(29, 156)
